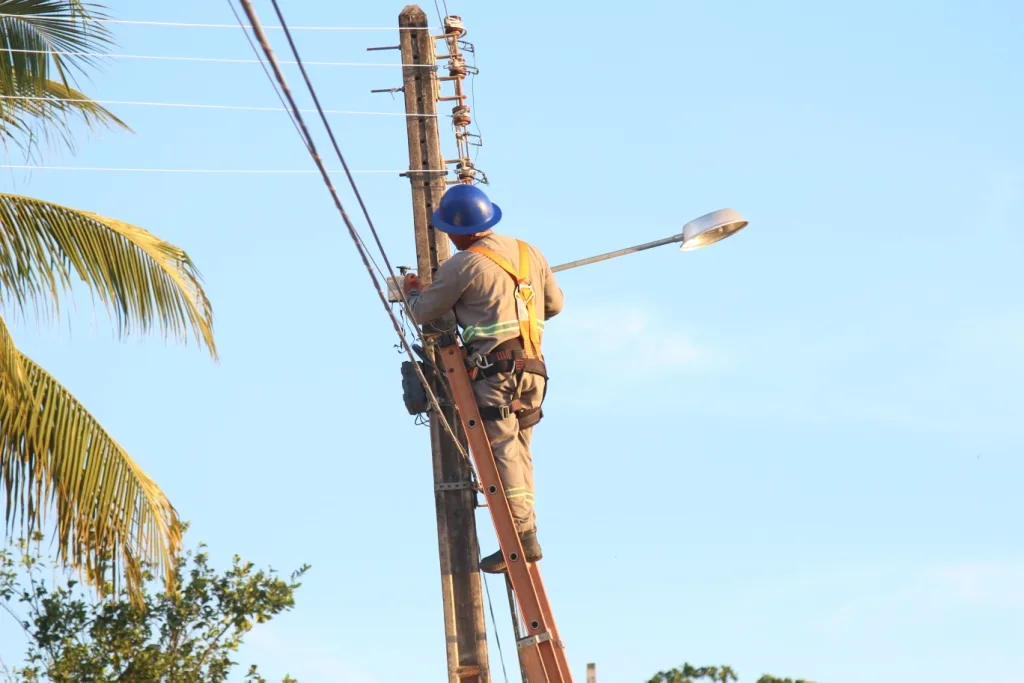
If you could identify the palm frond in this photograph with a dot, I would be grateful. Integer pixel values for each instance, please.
(32, 115)
(53, 452)
(141, 280)
(13, 383)
(32, 33)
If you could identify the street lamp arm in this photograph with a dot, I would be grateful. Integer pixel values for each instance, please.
(620, 252)
(698, 233)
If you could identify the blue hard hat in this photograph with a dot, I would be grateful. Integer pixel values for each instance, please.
(465, 210)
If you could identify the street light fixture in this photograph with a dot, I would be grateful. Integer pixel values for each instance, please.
(700, 232)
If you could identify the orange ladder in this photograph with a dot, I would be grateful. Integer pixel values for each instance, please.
(541, 650)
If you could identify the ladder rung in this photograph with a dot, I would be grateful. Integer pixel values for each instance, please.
(530, 641)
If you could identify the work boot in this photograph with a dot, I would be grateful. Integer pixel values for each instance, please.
(495, 563)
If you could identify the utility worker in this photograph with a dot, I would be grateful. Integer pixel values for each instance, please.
(502, 290)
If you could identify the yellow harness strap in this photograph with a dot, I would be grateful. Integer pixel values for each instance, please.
(529, 330)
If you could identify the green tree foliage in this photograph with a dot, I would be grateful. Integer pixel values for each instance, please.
(54, 455)
(691, 674)
(187, 636)
(688, 673)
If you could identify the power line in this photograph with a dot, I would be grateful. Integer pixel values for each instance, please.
(373, 229)
(369, 221)
(210, 106)
(334, 143)
(311, 147)
(494, 623)
(266, 71)
(221, 60)
(292, 116)
(182, 24)
(226, 171)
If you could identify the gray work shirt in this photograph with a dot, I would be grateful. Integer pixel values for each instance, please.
(482, 294)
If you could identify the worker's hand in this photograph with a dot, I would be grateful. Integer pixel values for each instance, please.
(410, 283)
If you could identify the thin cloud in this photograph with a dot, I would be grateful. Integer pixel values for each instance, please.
(977, 583)
(630, 341)
(961, 381)
(926, 593)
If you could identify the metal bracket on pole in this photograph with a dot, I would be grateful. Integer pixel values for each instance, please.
(467, 672)
(459, 486)
(415, 174)
(530, 641)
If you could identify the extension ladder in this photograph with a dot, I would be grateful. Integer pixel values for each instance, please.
(541, 650)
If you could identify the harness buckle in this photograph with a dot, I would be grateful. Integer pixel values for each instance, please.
(505, 411)
(480, 361)
(524, 290)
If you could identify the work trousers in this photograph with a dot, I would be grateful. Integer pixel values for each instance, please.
(511, 445)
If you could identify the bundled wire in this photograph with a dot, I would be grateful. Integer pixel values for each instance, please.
(227, 107)
(307, 139)
(243, 26)
(361, 247)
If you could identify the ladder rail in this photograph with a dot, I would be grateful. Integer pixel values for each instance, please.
(543, 651)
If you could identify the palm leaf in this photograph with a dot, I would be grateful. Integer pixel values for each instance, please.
(32, 33)
(26, 117)
(13, 383)
(52, 451)
(141, 280)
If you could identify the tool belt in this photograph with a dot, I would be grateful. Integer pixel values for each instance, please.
(506, 357)
(509, 357)
(527, 418)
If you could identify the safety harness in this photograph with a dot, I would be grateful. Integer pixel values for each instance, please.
(515, 355)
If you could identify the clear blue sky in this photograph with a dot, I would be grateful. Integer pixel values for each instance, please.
(796, 452)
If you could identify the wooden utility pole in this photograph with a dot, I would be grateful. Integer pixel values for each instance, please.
(591, 673)
(454, 492)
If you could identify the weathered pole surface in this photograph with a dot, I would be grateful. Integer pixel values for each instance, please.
(462, 598)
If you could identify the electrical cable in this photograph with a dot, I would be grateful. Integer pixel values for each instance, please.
(231, 107)
(472, 103)
(366, 214)
(227, 171)
(180, 24)
(487, 586)
(219, 60)
(362, 205)
(494, 624)
(280, 98)
(277, 92)
(380, 246)
(337, 149)
(279, 75)
(355, 190)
